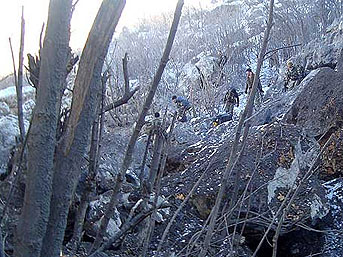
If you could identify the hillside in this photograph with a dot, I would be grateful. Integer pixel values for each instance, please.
(114, 165)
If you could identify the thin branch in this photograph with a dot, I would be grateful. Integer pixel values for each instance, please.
(280, 48)
(16, 175)
(14, 68)
(126, 75)
(246, 113)
(121, 101)
(127, 93)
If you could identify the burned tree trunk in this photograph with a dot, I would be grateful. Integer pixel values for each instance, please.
(20, 80)
(89, 185)
(71, 150)
(41, 144)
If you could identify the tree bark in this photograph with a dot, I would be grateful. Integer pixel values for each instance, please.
(158, 185)
(20, 80)
(129, 151)
(97, 131)
(32, 225)
(155, 162)
(88, 189)
(70, 153)
(2, 250)
(233, 154)
(145, 155)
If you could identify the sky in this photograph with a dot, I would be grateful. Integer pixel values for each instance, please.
(35, 13)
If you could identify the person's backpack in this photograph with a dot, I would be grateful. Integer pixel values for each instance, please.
(231, 96)
(221, 118)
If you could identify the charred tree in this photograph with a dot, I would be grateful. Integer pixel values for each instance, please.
(32, 225)
(71, 149)
(89, 184)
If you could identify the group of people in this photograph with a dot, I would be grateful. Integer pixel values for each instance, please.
(293, 76)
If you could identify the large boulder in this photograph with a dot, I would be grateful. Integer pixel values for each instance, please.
(319, 106)
(201, 67)
(276, 158)
(113, 149)
(324, 52)
(277, 103)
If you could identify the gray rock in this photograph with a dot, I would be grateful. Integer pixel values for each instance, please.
(323, 52)
(9, 130)
(9, 95)
(277, 103)
(4, 109)
(100, 255)
(28, 107)
(334, 222)
(95, 215)
(319, 106)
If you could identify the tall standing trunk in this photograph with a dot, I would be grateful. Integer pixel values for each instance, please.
(140, 122)
(32, 225)
(89, 185)
(20, 80)
(70, 153)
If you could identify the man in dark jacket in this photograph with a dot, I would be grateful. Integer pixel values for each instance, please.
(248, 88)
(183, 105)
(230, 100)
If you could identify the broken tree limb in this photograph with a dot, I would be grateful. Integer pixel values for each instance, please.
(127, 226)
(159, 180)
(127, 93)
(121, 101)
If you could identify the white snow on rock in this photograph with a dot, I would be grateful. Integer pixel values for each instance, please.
(28, 108)
(318, 209)
(9, 130)
(286, 178)
(333, 238)
(9, 95)
(4, 109)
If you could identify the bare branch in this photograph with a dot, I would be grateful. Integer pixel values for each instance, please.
(121, 101)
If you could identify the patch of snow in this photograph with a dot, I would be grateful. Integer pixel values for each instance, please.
(318, 210)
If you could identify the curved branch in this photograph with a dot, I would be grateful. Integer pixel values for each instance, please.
(126, 97)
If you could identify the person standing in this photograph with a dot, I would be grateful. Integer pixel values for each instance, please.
(183, 105)
(294, 75)
(248, 88)
(230, 100)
